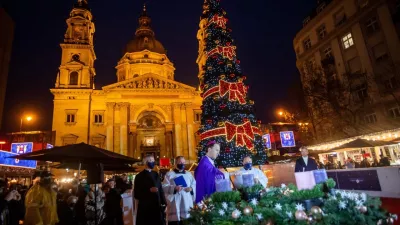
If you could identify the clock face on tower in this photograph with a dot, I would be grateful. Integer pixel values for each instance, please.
(75, 57)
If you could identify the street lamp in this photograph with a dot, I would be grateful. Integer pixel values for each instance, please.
(27, 118)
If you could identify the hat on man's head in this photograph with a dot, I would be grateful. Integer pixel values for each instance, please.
(211, 143)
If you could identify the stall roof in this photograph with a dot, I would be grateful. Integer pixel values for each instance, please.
(363, 143)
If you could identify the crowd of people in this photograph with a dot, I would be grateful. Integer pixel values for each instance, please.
(48, 203)
(158, 200)
(306, 163)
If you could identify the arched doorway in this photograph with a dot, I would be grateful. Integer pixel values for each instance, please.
(151, 135)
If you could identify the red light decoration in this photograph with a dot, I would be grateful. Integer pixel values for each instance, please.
(236, 91)
(223, 106)
(244, 134)
(219, 21)
(226, 51)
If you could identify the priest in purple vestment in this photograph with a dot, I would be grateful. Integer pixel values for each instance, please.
(206, 172)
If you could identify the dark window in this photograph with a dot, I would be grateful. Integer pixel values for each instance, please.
(307, 43)
(321, 32)
(371, 118)
(390, 83)
(394, 112)
(372, 25)
(73, 78)
(98, 118)
(197, 117)
(70, 118)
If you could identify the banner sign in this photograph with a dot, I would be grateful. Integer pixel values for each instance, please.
(5, 161)
(267, 140)
(366, 180)
(287, 139)
(21, 148)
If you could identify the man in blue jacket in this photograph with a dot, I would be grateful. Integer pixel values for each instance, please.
(305, 163)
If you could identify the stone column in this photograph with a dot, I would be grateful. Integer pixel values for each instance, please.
(177, 128)
(185, 145)
(168, 140)
(190, 131)
(117, 128)
(133, 151)
(110, 126)
(124, 128)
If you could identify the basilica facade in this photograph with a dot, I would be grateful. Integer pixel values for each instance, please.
(145, 112)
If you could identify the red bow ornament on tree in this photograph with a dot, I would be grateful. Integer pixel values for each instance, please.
(219, 20)
(227, 51)
(235, 90)
(244, 134)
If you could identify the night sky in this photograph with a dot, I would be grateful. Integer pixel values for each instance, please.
(263, 31)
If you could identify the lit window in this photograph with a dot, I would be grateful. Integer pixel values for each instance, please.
(394, 112)
(372, 25)
(347, 41)
(73, 78)
(307, 43)
(70, 118)
(370, 118)
(321, 32)
(328, 52)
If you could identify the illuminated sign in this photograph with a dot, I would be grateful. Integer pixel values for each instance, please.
(287, 139)
(21, 148)
(267, 140)
(4, 160)
(48, 146)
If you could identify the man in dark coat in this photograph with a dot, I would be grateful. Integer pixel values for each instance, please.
(112, 206)
(149, 192)
(305, 163)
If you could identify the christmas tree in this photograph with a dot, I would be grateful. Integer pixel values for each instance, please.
(227, 113)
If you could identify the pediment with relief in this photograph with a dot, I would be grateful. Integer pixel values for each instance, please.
(149, 82)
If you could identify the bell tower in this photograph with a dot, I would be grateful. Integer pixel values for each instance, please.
(77, 61)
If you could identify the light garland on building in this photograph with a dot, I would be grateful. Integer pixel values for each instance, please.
(382, 135)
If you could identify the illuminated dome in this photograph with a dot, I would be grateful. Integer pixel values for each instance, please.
(144, 37)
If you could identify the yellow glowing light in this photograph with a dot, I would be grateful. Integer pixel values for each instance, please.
(280, 113)
(29, 118)
(300, 124)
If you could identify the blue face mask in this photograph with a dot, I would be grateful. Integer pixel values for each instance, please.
(151, 165)
(180, 166)
(247, 166)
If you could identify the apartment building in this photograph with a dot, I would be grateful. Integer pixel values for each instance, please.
(348, 55)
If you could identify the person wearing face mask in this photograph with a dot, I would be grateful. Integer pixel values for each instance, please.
(149, 193)
(41, 202)
(179, 188)
(206, 172)
(259, 176)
